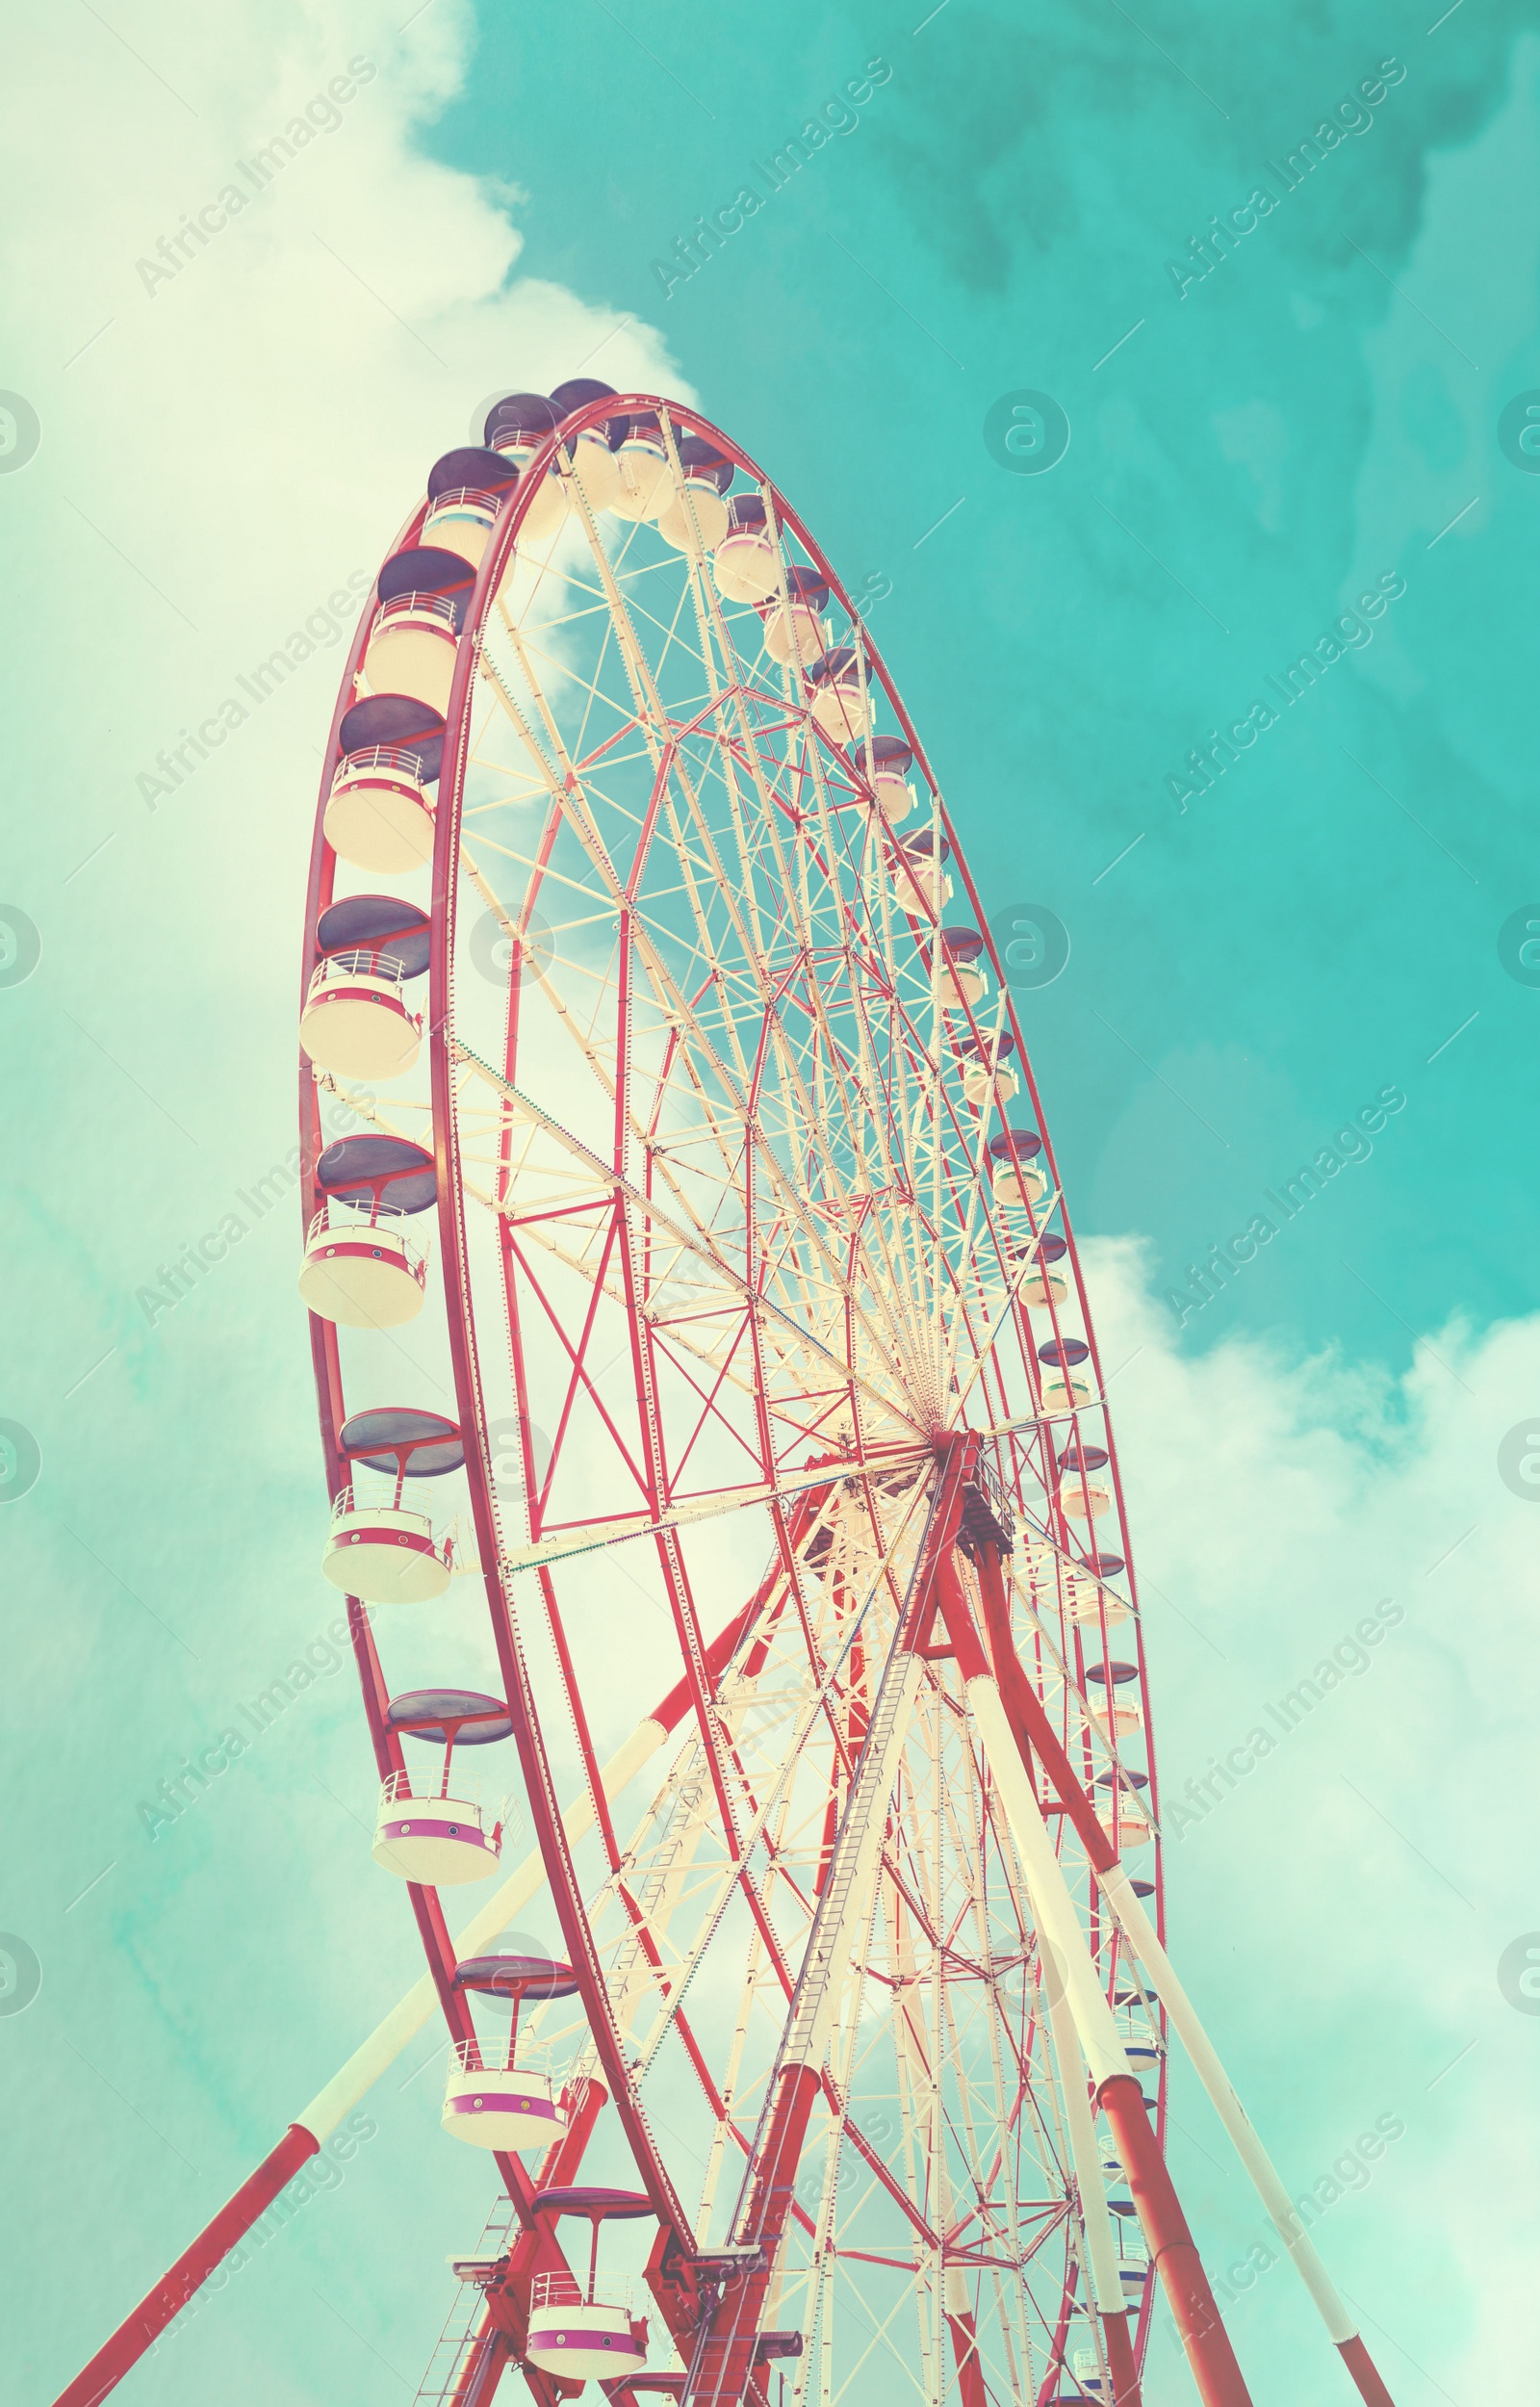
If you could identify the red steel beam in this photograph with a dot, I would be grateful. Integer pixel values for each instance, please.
(193, 2267)
(1122, 2361)
(966, 2351)
(482, 2369)
(724, 2353)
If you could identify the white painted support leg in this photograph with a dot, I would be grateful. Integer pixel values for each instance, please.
(1106, 2288)
(1051, 1903)
(402, 2025)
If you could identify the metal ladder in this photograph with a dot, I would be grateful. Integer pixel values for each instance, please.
(870, 1790)
(446, 2366)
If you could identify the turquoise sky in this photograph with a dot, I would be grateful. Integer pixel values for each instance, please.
(1334, 921)
(1271, 440)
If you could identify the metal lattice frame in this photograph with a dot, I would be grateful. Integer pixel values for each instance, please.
(730, 1305)
(713, 1208)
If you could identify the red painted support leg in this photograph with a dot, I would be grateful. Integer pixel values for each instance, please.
(192, 2268)
(484, 2367)
(966, 2349)
(1366, 2375)
(724, 2356)
(1118, 2341)
(1173, 2249)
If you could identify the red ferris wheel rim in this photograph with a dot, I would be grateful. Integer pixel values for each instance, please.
(1027, 1725)
(534, 1761)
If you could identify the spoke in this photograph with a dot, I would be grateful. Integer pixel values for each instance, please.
(559, 1547)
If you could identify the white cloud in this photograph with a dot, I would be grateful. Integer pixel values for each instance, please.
(217, 456)
(1339, 1910)
(235, 441)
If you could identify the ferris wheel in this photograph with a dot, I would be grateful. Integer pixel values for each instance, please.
(722, 1489)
